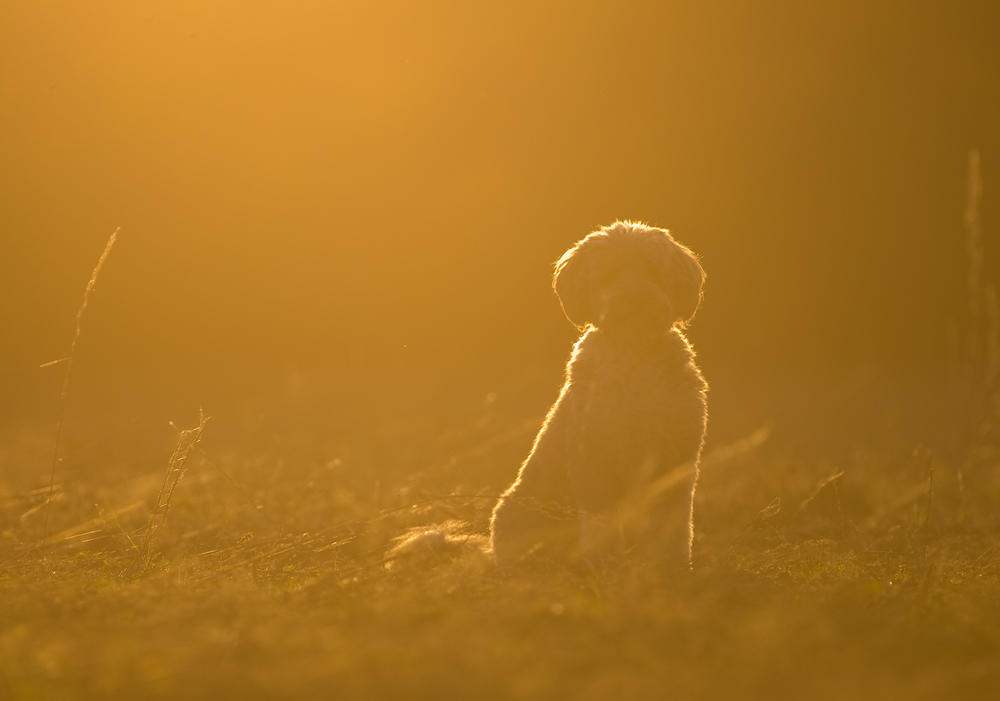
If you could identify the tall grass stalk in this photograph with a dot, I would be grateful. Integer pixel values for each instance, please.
(974, 251)
(68, 359)
(187, 441)
(982, 355)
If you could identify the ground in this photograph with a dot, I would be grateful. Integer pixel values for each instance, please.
(877, 577)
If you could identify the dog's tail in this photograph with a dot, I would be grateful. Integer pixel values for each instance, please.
(426, 547)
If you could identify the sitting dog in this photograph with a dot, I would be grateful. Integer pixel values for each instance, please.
(630, 417)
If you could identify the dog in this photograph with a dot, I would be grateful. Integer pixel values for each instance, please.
(614, 465)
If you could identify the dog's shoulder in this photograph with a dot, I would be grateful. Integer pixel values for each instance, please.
(684, 361)
(587, 354)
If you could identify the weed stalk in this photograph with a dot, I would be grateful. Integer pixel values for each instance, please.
(68, 359)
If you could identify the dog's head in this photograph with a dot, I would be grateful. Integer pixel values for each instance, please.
(629, 275)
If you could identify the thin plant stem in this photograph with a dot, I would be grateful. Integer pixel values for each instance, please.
(68, 359)
(187, 441)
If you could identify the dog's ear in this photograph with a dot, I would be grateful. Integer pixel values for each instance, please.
(570, 285)
(683, 278)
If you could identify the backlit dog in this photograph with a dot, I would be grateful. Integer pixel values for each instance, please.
(615, 463)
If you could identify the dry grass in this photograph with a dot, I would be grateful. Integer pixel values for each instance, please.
(68, 360)
(267, 582)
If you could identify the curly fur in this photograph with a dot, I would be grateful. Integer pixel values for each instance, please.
(631, 410)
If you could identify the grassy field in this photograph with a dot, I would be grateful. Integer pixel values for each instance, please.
(866, 579)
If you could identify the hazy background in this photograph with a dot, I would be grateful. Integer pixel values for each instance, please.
(345, 213)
